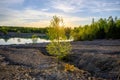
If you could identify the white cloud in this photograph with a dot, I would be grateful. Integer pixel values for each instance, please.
(63, 8)
(103, 6)
(45, 9)
(73, 6)
(30, 17)
(69, 6)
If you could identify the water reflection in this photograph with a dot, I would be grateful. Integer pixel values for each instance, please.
(6, 39)
(18, 40)
(21, 41)
(34, 40)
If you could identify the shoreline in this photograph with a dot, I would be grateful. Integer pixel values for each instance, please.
(21, 35)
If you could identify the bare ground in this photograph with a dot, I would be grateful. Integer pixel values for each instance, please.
(94, 60)
(31, 64)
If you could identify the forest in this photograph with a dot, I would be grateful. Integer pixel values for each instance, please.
(101, 29)
(6, 29)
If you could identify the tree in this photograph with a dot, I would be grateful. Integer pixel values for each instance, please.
(34, 38)
(56, 33)
(4, 30)
(101, 29)
(111, 25)
(68, 31)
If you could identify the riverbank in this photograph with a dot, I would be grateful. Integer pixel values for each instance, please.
(92, 59)
(21, 35)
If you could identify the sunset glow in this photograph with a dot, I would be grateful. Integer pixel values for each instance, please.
(38, 13)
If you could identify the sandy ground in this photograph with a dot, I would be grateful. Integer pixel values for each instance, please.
(93, 60)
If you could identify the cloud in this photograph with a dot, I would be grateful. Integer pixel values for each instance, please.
(45, 9)
(74, 12)
(6, 3)
(103, 6)
(63, 6)
(74, 6)
(44, 23)
(31, 17)
(11, 1)
(69, 6)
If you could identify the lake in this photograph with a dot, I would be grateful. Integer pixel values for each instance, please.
(21, 41)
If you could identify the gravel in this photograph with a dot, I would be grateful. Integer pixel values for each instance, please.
(93, 60)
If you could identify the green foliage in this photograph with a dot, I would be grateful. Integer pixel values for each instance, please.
(101, 29)
(23, 29)
(4, 30)
(34, 38)
(59, 49)
(68, 31)
(18, 32)
(56, 33)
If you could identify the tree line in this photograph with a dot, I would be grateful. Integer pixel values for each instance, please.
(6, 29)
(101, 29)
(104, 28)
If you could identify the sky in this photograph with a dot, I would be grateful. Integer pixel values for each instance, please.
(38, 13)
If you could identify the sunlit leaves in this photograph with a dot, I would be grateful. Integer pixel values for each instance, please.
(101, 29)
(56, 33)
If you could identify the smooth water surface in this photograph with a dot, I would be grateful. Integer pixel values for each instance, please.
(21, 41)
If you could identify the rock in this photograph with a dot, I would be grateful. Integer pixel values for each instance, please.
(1, 58)
(4, 63)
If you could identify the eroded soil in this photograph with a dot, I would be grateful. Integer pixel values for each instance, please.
(94, 60)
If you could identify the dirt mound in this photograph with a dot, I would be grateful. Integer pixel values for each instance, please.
(17, 64)
(99, 65)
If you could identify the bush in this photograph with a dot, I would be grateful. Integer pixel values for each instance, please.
(34, 38)
(69, 67)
